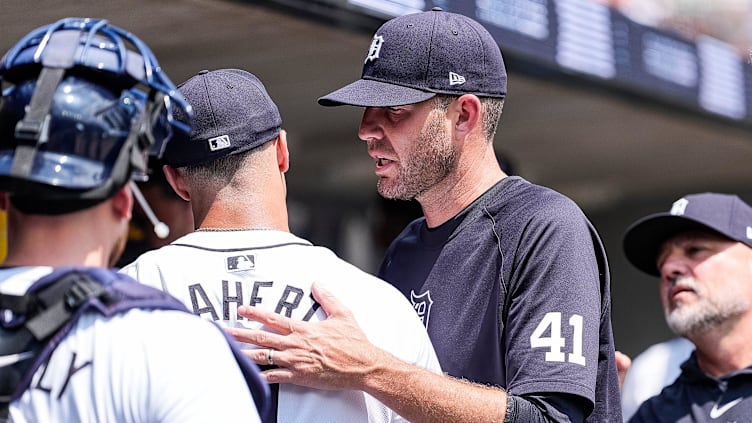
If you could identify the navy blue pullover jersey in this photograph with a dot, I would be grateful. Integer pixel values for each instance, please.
(514, 292)
(697, 397)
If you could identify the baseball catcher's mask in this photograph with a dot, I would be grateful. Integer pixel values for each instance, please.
(84, 104)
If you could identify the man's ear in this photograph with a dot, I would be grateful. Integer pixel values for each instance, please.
(283, 154)
(122, 202)
(468, 109)
(176, 181)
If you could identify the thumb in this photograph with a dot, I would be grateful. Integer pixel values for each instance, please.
(329, 303)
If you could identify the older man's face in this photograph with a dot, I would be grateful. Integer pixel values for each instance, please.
(706, 281)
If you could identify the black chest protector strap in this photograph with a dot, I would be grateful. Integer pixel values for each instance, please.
(33, 325)
(49, 308)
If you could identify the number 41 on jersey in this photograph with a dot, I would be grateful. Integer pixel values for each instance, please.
(551, 323)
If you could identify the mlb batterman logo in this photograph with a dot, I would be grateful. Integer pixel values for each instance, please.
(375, 49)
(422, 304)
(240, 263)
(219, 143)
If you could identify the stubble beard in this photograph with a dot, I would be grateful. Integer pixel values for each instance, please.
(708, 313)
(430, 161)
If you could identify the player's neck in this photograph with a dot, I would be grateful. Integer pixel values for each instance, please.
(261, 215)
(723, 350)
(40, 241)
(449, 197)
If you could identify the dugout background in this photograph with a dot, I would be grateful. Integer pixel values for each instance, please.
(619, 150)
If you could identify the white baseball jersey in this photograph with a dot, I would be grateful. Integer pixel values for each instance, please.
(137, 366)
(215, 272)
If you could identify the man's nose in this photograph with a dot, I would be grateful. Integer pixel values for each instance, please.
(370, 128)
(674, 265)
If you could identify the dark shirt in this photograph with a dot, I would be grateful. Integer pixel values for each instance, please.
(697, 397)
(514, 292)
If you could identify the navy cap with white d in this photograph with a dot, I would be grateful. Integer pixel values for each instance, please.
(725, 214)
(414, 57)
(233, 113)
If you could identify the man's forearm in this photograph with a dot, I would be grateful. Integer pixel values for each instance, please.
(422, 396)
(335, 354)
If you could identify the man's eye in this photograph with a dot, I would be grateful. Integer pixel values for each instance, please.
(694, 249)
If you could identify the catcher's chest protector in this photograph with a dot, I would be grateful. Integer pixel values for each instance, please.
(33, 325)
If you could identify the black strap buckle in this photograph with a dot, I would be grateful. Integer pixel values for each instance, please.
(81, 290)
(76, 288)
(33, 130)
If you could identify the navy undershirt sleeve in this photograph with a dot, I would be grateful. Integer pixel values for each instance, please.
(545, 408)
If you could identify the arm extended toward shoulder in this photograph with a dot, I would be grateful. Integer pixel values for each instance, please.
(335, 354)
(423, 396)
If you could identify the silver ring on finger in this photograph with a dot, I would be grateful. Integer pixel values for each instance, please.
(270, 356)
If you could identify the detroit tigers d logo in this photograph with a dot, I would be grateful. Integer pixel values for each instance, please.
(422, 304)
(375, 48)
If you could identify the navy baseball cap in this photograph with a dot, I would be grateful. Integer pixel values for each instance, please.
(725, 214)
(233, 113)
(414, 57)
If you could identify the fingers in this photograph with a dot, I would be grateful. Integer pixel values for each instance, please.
(275, 375)
(262, 357)
(284, 325)
(294, 371)
(258, 337)
(270, 356)
(279, 375)
(274, 321)
(329, 303)
(623, 362)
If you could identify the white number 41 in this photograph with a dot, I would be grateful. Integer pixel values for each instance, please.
(555, 342)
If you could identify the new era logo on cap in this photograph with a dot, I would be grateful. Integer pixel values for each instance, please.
(456, 79)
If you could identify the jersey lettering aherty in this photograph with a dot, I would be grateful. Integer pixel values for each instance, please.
(137, 366)
(514, 292)
(215, 272)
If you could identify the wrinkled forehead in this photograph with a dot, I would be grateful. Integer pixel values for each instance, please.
(698, 235)
(692, 236)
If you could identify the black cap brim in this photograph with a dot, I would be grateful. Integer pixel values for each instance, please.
(644, 238)
(371, 93)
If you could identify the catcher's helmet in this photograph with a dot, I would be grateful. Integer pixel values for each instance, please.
(83, 103)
